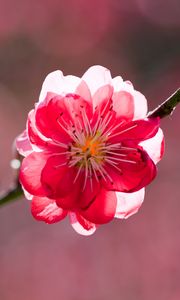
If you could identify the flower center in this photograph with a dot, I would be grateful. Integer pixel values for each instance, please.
(90, 152)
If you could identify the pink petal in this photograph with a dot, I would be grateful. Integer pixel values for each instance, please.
(102, 96)
(96, 77)
(75, 106)
(23, 145)
(128, 203)
(103, 209)
(45, 209)
(83, 91)
(138, 131)
(130, 177)
(83, 227)
(140, 102)
(155, 146)
(123, 104)
(30, 173)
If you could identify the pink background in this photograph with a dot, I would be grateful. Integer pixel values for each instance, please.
(134, 259)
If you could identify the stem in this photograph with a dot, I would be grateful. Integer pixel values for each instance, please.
(11, 195)
(167, 107)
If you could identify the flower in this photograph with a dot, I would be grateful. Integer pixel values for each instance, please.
(89, 150)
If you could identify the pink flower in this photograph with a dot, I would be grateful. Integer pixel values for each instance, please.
(89, 150)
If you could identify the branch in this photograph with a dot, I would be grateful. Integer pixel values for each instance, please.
(167, 107)
(11, 195)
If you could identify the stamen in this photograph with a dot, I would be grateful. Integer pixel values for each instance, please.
(93, 169)
(86, 175)
(77, 174)
(112, 128)
(123, 131)
(86, 122)
(90, 176)
(113, 165)
(121, 159)
(114, 153)
(98, 168)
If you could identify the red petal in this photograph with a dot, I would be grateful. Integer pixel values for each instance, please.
(103, 209)
(30, 173)
(45, 209)
(37, 140)
(48, 115)
(57, 178)
(81, 225)
(137, 131)
(131, 176)
(88, 194)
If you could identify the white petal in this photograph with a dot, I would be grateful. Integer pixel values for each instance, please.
(140, 105)
(128, 203)
(117, 83)
(59, 84)
(54, 82)
(23, 145)
(71, 83)
(155, 146)
(78, 227)
(96, 77)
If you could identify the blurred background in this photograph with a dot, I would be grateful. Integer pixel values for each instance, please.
(124, 260)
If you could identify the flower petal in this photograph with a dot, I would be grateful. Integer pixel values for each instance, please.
(137, 131)
(59, 84)
(38, 141)
(81, 225)
(117, 83)
(128, 203)
(132, 173)
(103, 209)
(47, 118)
(83, 91)
(140, 106)
(45, 209)
(54, 82)
(123, 104)
(96, 77)
(155, 146)
(30, 173)
(23, 145)
(140, 102)
(57, 178)
(102, 96)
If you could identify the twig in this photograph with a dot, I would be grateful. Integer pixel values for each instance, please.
(167, 107)
(11, 195)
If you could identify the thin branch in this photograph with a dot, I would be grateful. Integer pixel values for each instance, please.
(11, 195)
(167, 107)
